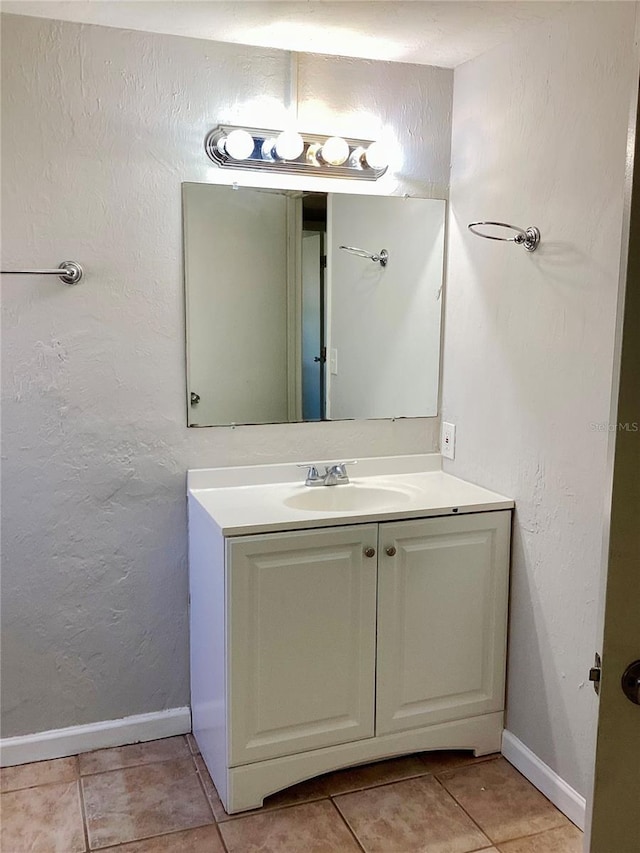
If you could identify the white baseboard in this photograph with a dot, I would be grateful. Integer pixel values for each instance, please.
(546, 780)
(58, 743)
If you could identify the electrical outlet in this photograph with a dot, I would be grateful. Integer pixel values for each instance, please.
(448, 441)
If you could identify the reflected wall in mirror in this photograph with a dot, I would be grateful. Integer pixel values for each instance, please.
(284, 325)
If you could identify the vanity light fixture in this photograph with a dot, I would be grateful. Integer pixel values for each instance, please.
(293, 152)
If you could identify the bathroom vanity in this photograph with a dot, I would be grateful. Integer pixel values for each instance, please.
(337, 625)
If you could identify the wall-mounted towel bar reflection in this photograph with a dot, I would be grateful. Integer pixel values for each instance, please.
(381, 258)
(68, 272)
(527, 237)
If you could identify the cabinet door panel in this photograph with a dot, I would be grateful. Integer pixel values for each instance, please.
(302, 611)
(442, 607)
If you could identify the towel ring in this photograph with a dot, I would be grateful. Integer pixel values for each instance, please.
(382, 257)
(529, 237)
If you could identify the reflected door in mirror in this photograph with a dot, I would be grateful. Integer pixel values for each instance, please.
(313, 348)
(236, 274)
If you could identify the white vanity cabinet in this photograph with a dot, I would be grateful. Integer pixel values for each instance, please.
(328, 647)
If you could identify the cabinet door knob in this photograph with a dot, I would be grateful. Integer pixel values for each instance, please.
(369, 552)
(391, 551)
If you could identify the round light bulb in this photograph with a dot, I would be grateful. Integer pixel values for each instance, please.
(376, 156)
(239, 144)
(335, 151)
(289, 145)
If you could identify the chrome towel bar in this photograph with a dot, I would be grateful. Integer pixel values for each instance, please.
(68, 272)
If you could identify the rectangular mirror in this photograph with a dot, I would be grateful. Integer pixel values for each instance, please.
(289, 320)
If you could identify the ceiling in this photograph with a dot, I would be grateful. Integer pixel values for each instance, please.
(427, 33)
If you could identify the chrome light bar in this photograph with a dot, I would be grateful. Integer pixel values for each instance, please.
(296, 153)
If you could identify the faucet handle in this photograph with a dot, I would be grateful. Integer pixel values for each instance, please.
(344, 464)
(313, 475)
(339, 469)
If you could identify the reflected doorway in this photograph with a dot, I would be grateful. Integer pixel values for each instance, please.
(314, 351)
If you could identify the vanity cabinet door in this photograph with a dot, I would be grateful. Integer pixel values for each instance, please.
(301, 633)
(442, 619)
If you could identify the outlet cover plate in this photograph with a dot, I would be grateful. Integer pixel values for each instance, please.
(448, 442)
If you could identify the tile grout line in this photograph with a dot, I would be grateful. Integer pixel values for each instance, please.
(536, 834)
(131, 766)
(83, 811)
(519, 837)
(504, 840)
(42, 785)
(379, 785)
(263, 811)
(348, 825)
(473, 820)
(220, 836)
(115, 847)
(206, 796)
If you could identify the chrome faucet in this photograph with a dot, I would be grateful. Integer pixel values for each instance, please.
(334, 475)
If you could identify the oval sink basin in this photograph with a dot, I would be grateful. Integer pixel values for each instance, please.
(347, 498)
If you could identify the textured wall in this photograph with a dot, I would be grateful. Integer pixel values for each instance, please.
(539, 138)
(99, 129)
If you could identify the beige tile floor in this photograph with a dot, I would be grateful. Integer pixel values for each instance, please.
(158, 798)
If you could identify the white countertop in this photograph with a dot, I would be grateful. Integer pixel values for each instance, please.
(255, 499)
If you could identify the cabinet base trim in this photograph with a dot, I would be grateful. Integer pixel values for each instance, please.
(58, 743)
(546, 780)
(250, 784)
